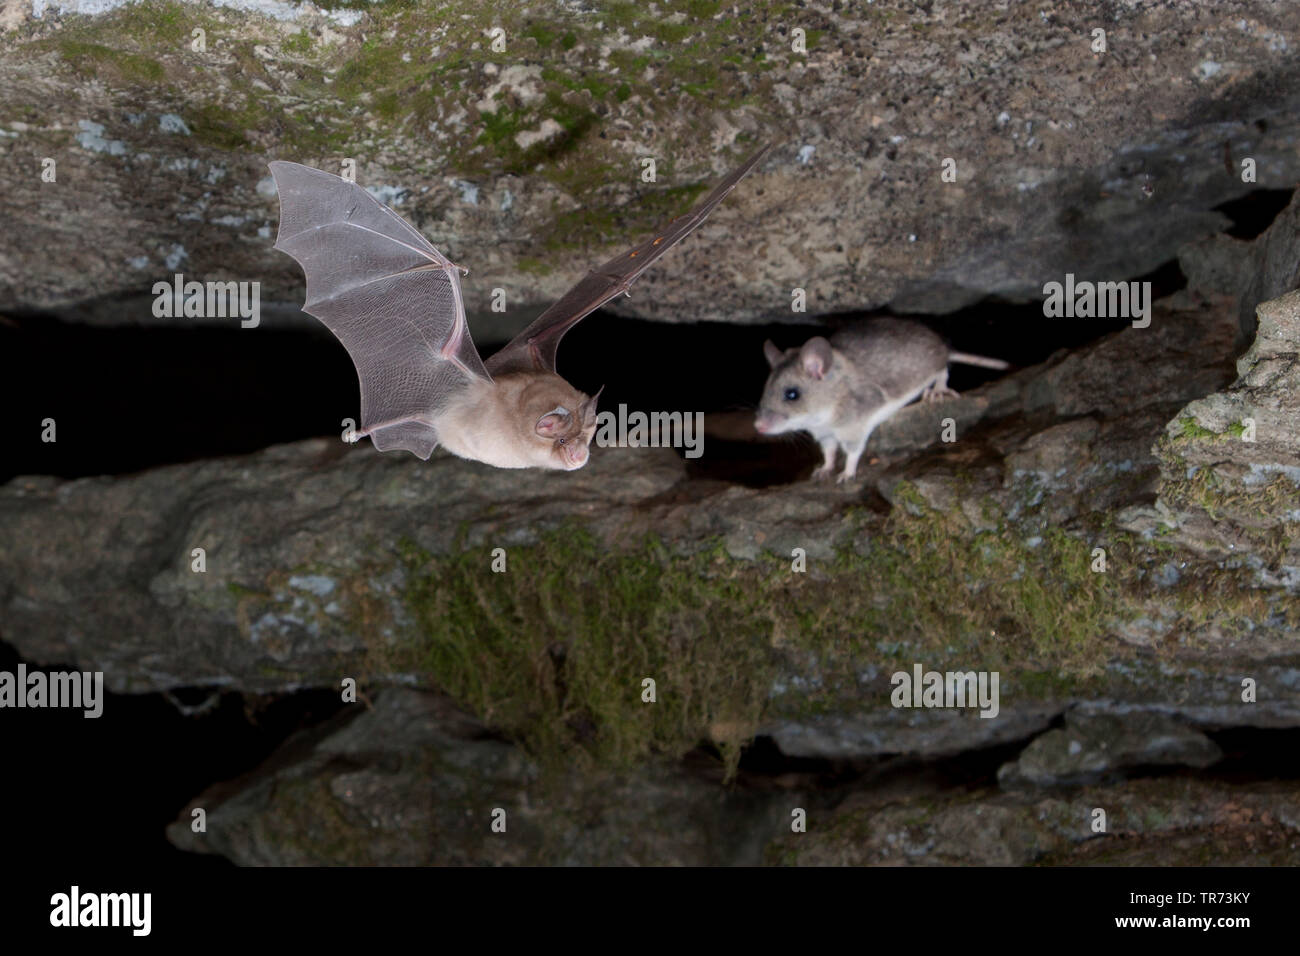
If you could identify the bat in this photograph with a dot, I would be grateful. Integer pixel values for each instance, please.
(394, 301)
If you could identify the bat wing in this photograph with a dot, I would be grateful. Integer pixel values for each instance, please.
(392, 299)
(534, 347)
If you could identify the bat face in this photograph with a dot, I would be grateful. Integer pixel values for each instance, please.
(801, 391)
(567, 441)
(558, 420)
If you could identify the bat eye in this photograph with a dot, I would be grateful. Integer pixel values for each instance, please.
(791, 395)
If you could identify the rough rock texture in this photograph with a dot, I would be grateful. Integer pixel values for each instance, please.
(1230, 462)
(411, 782)
(524, 162)
(289, 556)
(322, 561)
(1250, 272)
(1157, 822)
(1092, 747)
(1115, 532)
(303, 544)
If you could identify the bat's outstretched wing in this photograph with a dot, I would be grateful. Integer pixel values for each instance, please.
(392, 299)
(534, 347)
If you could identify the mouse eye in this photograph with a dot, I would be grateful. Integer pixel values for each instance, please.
(564, 441)
(792, 394)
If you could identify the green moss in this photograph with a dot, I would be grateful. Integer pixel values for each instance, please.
(554, 650)
(595, 224)
(97, 60)
(370, 6)
(159, 26)
(300, 43)
(542, 33)
(1268, 508)
(1190, 429)
(533, 266)
(214, 126)
(240, 591)
(501, 127)
(371, 87)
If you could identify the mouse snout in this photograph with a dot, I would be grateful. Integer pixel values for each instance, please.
(766, 422)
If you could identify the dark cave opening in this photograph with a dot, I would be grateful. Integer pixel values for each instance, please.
(142, 759)
(1250, 755)
(129, 398)
(1255, 211)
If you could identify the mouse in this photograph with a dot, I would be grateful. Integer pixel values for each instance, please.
(840, 389)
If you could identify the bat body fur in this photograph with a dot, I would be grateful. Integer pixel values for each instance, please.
(395, 303)
(497, 423)
(839, 390)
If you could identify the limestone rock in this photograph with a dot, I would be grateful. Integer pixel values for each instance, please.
(1092, 747)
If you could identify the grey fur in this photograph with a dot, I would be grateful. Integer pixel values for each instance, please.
(849, 384)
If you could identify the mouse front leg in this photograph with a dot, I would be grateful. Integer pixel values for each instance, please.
(853, 452)
(829, 448)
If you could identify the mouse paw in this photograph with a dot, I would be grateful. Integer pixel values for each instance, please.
(937, 394)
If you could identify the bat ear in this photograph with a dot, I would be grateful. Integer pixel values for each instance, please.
(771, 353)
(816, 357)
(553, 422)
(587, 410)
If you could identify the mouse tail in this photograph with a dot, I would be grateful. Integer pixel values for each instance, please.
(965, 358)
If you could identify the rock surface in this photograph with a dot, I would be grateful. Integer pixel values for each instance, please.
(1156, 822)
(303, 573)
(1092, 747)
(525, 162)
(411, 782)
(1114, 533)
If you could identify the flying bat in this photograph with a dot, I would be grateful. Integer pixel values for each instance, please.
(394, 301)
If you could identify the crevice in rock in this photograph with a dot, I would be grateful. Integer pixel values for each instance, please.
(127, 398)
(764, 766)
(1254, 212)
(1250, 755)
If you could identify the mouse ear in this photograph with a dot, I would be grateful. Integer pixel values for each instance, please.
(816, 357)
(771, 353)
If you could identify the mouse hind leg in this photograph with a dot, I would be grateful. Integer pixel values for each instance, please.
(938, 389)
